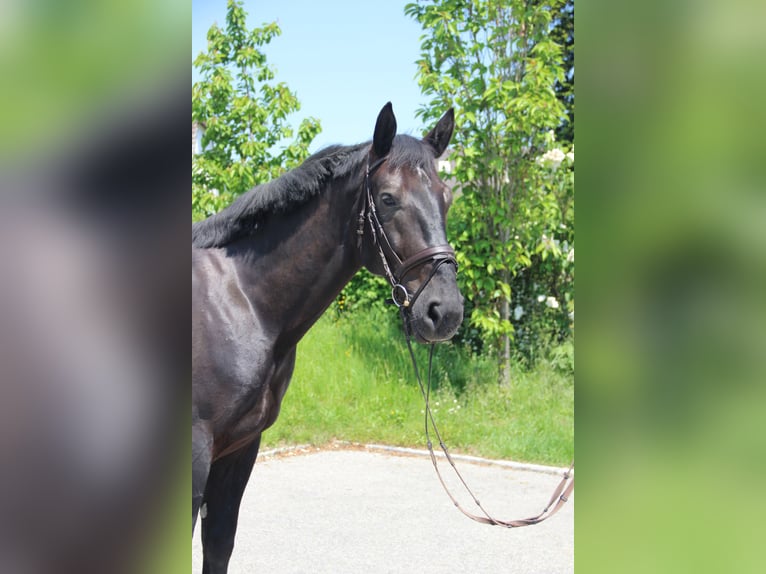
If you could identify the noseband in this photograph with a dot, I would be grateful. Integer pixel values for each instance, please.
(439, 254)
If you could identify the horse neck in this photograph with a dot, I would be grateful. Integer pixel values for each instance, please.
(297, 263)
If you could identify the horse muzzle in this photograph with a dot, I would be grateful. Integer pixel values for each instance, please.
(437, 312)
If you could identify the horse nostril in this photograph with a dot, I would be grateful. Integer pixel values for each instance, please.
(434, 314)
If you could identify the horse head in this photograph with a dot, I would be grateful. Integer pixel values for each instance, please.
(404, 216)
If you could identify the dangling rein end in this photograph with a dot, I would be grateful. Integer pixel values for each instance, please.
(560, 494)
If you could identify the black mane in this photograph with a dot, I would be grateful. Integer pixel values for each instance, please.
(297, 187)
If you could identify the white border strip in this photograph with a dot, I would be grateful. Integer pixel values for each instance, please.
(473, 459)
(513, 465)
(297, 449)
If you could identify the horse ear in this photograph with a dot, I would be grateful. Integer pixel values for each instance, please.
(439, 137)
(385, 130)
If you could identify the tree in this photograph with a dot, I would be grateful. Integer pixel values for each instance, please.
(563, 34)
(244, 113)
(497, 64)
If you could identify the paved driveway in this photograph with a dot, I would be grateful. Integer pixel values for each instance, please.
(369, 511)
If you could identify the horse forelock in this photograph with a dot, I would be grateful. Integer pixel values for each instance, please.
(411, 153)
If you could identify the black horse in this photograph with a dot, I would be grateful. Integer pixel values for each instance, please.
(266, 268)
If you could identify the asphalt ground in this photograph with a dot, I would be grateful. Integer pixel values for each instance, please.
(357, 510)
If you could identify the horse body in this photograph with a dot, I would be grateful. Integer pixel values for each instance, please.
(265, 269)
(261, 311)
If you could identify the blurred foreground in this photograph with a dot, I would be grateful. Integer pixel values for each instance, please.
(94, 181)
(671, 339)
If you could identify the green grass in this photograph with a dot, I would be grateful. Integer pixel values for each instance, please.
(354, 381)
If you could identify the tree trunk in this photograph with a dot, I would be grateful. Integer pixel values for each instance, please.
(504, 373)
(505, 347)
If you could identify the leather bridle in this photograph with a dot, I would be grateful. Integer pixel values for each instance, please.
(439, 255)
(394, 267)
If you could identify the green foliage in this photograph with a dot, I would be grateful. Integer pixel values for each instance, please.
(562, 358)
(364, 291)
(563, 34)
(243, 111)
(512, 223)
(542, 304)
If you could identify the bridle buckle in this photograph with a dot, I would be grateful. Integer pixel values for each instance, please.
(404, 301)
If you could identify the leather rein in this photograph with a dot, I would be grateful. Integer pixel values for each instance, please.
(402, 298)
(560, 494)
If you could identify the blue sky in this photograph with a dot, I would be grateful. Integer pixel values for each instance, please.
(344, 58)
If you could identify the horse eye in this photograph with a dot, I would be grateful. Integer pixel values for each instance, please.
(388, 200)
